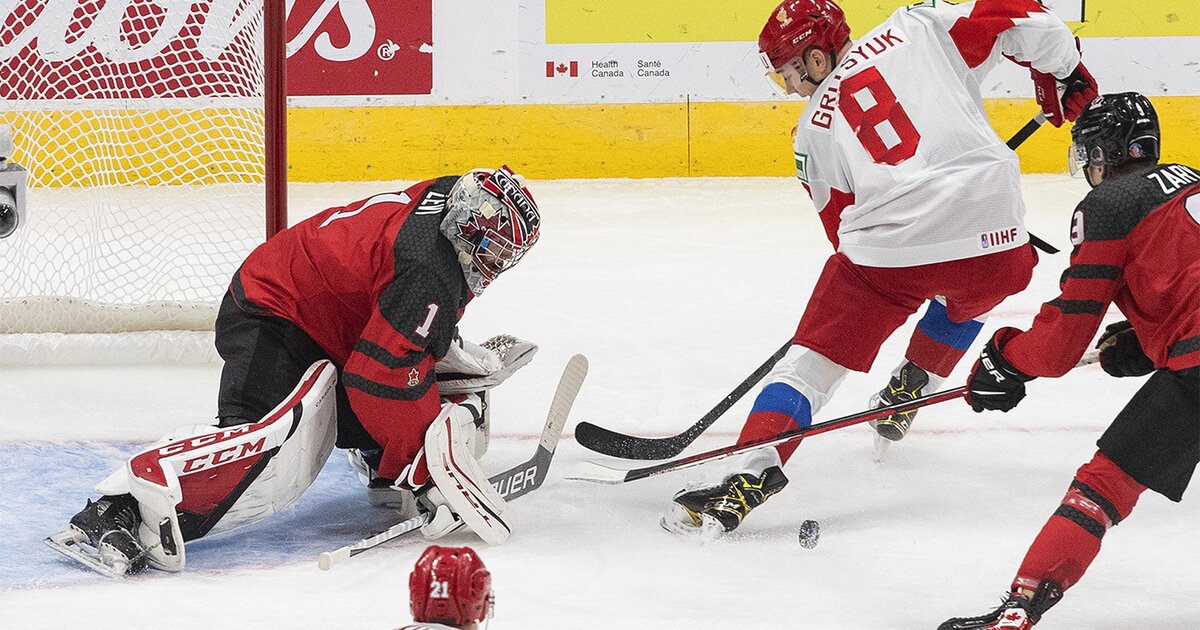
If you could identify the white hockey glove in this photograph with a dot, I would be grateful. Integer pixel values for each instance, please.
(469, 367)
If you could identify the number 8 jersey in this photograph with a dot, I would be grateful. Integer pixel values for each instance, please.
(895, 148)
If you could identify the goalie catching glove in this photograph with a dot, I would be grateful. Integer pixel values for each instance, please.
(469, 367)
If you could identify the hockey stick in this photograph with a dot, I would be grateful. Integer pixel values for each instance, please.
(599, 473)
(609, 442)
(512, 483)
(1017, 140)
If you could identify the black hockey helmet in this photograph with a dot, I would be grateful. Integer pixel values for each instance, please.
(1114, 129)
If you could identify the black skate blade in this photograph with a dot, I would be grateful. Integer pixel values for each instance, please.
(68, 542)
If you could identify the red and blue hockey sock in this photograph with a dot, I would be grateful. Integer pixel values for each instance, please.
(938, 343)
(778, 408)
(1100, 496)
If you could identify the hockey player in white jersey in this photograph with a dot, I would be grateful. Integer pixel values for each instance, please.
(918, 195)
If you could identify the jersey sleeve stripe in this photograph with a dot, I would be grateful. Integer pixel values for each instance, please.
(1093, 272)
(1184, 346)
(385, 358)
(389, 392)
(1078, 307)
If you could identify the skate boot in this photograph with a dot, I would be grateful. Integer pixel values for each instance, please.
(715, 510)
(1020, 611)
(381, 491)
(103, 536)
(907, 384)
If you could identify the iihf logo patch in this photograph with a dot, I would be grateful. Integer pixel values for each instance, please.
(983, 241)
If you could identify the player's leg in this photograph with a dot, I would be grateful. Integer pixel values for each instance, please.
(1153, 443)
(963, 292)
(830, 340)
(935, 347)
(205, 479)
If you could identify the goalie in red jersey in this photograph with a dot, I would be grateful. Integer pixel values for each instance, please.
(339, 330)
(1137, 244)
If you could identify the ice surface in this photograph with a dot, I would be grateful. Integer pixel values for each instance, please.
(675, 290)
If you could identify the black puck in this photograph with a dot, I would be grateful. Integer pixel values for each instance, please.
(810, 533)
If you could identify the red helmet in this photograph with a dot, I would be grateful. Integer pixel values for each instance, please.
(796, 25)
(450, 585)
(493, 221)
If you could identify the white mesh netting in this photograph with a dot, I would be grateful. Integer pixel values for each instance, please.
(141, 125)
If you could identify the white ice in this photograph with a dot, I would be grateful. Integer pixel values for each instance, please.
(675, 290)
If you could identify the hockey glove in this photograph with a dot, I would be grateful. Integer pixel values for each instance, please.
(1121, 353)
(994, 383)
(1064, 99)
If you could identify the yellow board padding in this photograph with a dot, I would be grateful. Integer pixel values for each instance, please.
(621, 140)
(638, 21)
(138, 147)
(541, 141)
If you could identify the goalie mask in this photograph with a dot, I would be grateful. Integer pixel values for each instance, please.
(492, 221)
(450, 585)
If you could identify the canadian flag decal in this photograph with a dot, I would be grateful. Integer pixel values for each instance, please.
(557, 68)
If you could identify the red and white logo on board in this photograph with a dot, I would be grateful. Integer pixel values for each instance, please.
(69, 49)
(562, 69)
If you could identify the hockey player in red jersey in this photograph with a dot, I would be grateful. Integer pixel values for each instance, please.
(341, 329)
(449, 588)
(1136, 240)
(918, 195)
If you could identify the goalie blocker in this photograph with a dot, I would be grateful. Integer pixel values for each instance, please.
(202, 479)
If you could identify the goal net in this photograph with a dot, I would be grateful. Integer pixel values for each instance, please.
(153, 154)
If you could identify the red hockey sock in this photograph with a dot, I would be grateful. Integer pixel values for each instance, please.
(1100, 496)
(765, 424)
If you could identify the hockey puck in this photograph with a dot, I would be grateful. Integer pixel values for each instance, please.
(810, 533)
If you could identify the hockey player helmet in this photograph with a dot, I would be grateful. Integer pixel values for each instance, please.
(1114, 129)
(450, 585)
(492, 220)
(794, 27)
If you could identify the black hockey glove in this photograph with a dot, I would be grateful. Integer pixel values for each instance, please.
(1121, 353)
(994, 383)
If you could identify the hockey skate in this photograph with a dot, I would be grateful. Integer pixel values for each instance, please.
(908, 384)
(1018, 612)
(103, 537)
(709, 512)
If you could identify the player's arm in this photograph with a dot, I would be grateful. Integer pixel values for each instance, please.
(392, 387)
(1027, 33)
(1065, 326)
(390, 377)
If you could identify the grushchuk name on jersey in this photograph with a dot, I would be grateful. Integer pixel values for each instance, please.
(877, 46)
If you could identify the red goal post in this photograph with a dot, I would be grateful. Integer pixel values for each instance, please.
(154, 136)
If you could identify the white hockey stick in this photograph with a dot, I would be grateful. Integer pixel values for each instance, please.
(512, 483)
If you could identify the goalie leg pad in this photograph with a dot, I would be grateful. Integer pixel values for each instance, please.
(460, 483)
(233, 476)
